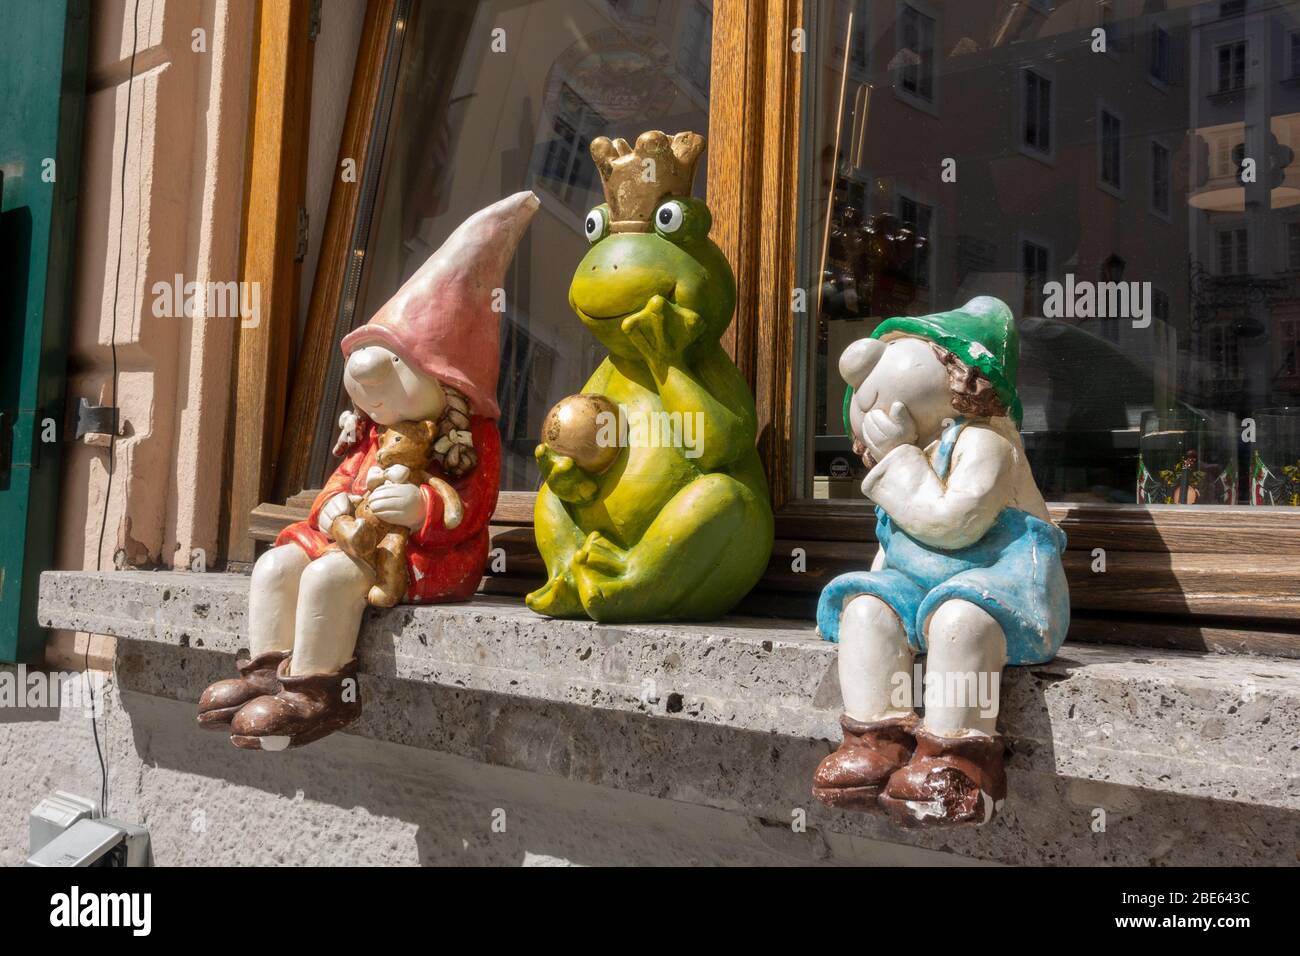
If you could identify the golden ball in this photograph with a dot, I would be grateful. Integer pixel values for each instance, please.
(574, 428)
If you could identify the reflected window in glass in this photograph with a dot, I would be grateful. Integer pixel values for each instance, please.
(467, 126)
(1140, 214)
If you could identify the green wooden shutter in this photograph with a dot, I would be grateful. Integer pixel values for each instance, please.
(42, 99)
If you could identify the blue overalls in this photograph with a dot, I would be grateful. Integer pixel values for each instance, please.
(1014, 573)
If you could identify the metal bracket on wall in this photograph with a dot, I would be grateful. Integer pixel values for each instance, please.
(92, 420)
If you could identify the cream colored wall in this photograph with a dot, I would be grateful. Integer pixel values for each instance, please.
(180, 213)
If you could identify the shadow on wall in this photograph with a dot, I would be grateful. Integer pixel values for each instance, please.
(355, 801)
(17, 684)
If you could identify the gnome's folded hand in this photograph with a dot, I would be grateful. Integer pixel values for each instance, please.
(883, 432)
(340, 504)
(398, 504)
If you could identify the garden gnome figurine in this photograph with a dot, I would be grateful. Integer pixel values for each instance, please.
(968, 570)
(430, 355)
(676, 523)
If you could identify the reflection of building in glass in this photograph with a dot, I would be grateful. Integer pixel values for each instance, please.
(1245, 118)
(694, 43)
(581, 69)
(566, 167)
(1037, 112)
(1128, 165)
(915, 56)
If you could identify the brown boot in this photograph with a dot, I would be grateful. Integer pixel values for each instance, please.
(949, 781)
(306, 708)
(853, 776)
(222, 700)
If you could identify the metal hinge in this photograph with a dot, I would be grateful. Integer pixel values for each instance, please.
(313, 20)
(301, 252)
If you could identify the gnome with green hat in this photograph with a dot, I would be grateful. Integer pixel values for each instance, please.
(968, 570)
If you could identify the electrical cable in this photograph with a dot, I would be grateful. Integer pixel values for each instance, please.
(112, 439)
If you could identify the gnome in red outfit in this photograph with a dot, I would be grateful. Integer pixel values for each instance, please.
(430, 354)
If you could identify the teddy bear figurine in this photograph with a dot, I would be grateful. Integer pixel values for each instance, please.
(406, 450)
(968, 569)
(430, 354)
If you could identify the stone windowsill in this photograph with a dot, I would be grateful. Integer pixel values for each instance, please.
(1178, 748)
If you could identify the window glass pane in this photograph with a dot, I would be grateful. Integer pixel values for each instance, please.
(469, 125)
(1111, 147)
(1160, 54)
(1138, 210)
(1037, 112)
(1160, 179)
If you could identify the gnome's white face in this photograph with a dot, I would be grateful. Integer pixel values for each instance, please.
(388, 390)
(903, 369)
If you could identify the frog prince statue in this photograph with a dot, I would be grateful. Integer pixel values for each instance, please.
(968, 569)
(677, 524)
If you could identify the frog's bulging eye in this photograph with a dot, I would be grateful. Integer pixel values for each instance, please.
(595, 227)
(668, 217)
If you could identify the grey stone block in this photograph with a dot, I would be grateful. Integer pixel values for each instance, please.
(1117, 756)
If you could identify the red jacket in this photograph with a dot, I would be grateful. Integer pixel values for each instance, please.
(444, 565)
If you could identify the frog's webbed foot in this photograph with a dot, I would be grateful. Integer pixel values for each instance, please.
(601, 555)
(558, 597)
(600, 571)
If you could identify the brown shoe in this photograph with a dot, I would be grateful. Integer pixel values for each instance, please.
(222, 700)
(852, 777)
(949, 781)
(305, 708)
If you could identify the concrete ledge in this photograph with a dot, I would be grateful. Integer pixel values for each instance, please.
(1190, 757)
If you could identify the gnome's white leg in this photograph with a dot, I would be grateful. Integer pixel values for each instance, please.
(331, 598)
(875, 661)
(273, 598)
(967, 650)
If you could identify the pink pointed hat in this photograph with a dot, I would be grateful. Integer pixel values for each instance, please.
(441, 320)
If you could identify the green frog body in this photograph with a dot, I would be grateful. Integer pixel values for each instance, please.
(680, 525)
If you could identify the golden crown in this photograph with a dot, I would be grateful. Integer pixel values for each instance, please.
(636, 179)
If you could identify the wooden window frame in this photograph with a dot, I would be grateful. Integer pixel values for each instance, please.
(275, 185)
(1195, 578)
